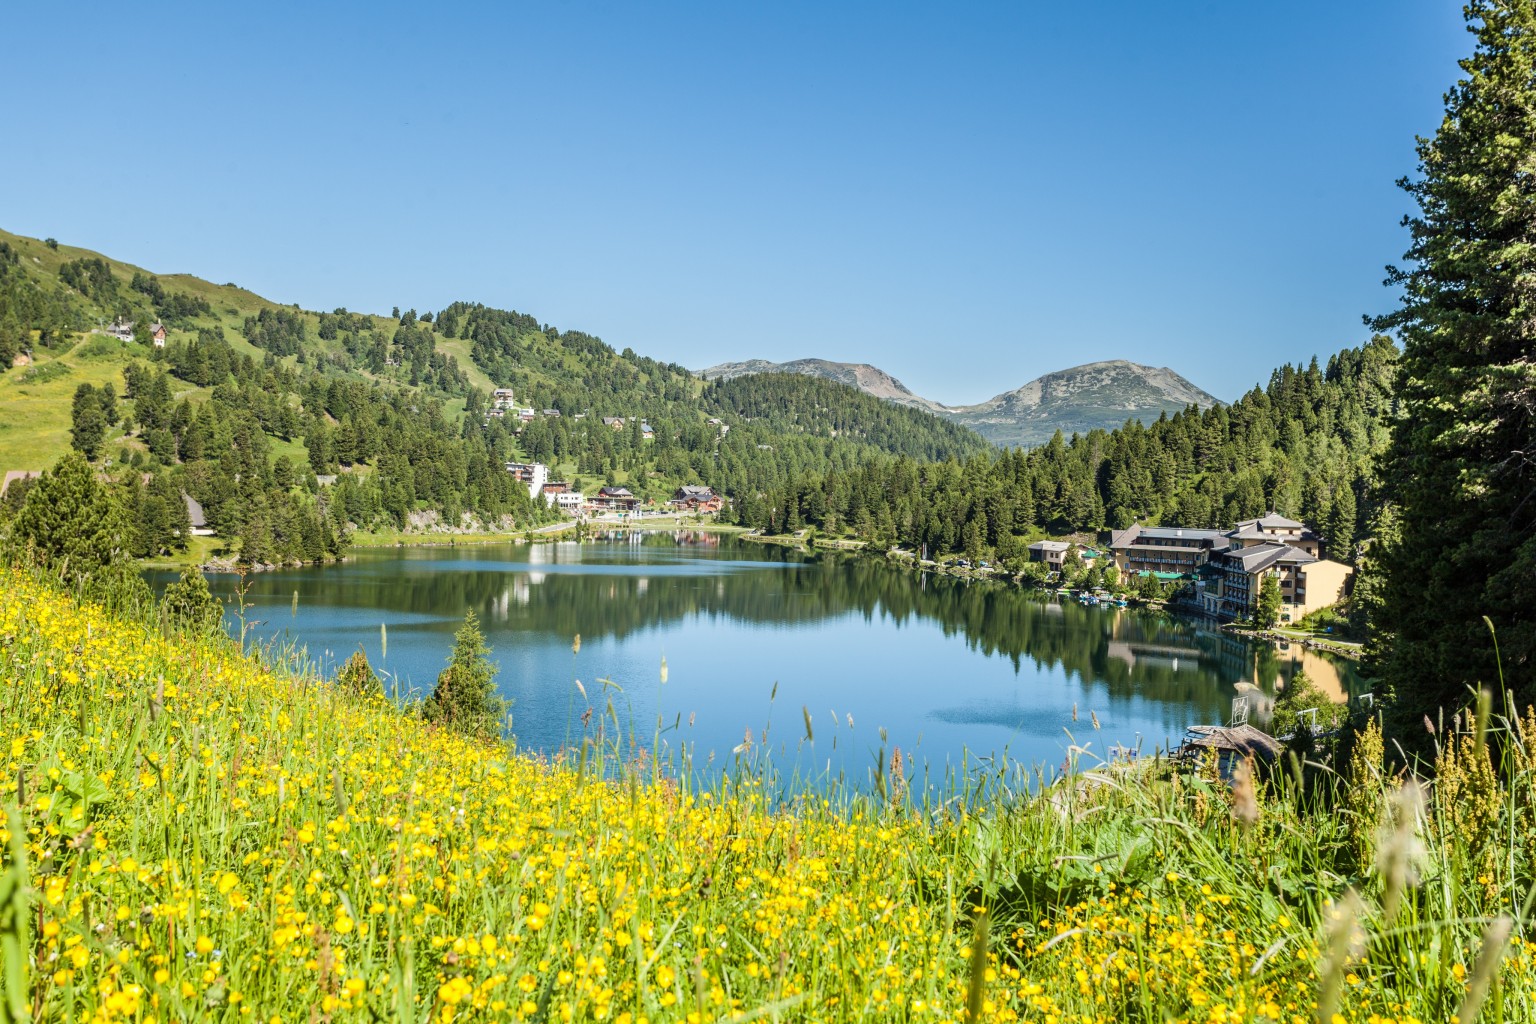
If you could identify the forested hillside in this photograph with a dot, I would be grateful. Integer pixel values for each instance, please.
(251, 408)
(1303, 445)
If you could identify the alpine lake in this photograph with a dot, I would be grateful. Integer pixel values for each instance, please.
(820, 666)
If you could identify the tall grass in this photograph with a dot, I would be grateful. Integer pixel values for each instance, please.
(198, 834)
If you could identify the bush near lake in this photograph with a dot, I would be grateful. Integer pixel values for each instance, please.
(195, 834)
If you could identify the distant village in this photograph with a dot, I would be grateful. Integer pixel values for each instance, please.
(562, 494)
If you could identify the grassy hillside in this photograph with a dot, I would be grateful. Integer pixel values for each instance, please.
(192, 834)
(396, 408)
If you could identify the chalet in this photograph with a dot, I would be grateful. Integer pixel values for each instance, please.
(615, 499)
(534, 474)
(526, 415)
(614, 422)
(157, 335)
(646, 433)
(1051, 552)
(503, 398)
(556, 487)
(696, 499)
(121, 329)
(552, 414)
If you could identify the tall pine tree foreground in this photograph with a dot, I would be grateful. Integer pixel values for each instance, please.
(1460, 476)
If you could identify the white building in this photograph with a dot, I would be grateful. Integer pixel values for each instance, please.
(569, 502)
(534, 474)
(503, 398)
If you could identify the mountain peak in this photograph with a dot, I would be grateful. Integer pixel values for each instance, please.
(1098, 395)
(869, 379)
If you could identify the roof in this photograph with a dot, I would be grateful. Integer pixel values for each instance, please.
(1249, 533)
(1125, 538)
(695, 491)
(194, 512)
(1239, 739)
(615, 492)
(1049, 545)
(1258, 559)
(1273, 521)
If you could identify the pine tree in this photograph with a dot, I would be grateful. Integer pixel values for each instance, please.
(88, 427)
(189, 604)
(357, 676)
(465, 698)
(1267, 614)
(1462, 467)
(71, 518)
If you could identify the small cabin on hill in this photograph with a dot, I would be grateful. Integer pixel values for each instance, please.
(196, 517)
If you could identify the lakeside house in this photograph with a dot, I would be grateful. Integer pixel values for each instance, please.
(696, 498)
(1229, 566)
(1052, 552)
(614, 499)
(559, 494)
(196, 516)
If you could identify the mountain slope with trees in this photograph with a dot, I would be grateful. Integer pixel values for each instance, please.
(1303, 445)
(252, 408)
(1094, 396)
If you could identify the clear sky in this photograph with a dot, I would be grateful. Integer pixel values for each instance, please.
(965, 194)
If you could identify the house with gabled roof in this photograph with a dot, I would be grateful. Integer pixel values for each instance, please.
(696, 498)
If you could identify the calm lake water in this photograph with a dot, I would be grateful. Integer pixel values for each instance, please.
(947, 668)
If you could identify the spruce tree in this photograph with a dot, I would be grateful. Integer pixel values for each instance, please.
(88, 426)
(465, 698)
(189, 604)
(1461, 470)
(1267, 613)
(71, 517)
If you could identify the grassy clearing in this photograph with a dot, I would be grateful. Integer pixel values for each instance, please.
(193, 834)
(36, 401)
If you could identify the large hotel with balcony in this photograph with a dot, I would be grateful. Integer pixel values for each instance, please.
(1228, 566)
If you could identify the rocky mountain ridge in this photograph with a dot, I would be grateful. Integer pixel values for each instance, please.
(1075, 400)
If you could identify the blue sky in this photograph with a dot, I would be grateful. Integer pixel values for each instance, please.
(967, 195)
